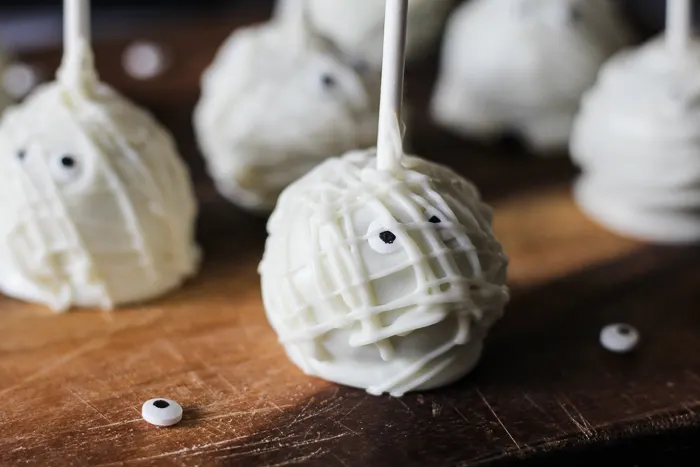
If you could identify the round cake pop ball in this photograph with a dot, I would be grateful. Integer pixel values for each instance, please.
(522, 65)
(637, 139)
(96, 208)
(357, 26)
(380, 280)
(278, 100)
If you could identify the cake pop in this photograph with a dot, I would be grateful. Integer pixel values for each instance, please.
(637, 138)
(96, 208)
(278, 100)
(356, 26)
(5, 98)
(381, 271)
(521, 66)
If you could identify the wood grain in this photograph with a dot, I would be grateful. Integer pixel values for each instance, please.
(71, 385)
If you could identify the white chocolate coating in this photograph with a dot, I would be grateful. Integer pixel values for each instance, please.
(637, 140)
(5, 97)
(96, 208)
(386, 282)
(277, 101)
(522, 66)
(357, 26)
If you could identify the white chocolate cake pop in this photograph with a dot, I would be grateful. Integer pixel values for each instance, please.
(277, 101)
(357, 26)
(96, 208)
(521, 66)
(637, 140)
(5, 98)
(381, 271)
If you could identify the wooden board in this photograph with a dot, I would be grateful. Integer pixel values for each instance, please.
(71, 385)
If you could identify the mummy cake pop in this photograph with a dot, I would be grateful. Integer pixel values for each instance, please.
(381, 271)
(637, 138)
(356, 26)
(521, 66)
(96, 208)
(277, 101)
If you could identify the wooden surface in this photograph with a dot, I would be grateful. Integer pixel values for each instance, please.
(71, 385)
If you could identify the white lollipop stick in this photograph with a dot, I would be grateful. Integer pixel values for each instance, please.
(678, 25)
(76, 39)
(391, 97)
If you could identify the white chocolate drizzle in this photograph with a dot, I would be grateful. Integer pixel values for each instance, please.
(383, 280)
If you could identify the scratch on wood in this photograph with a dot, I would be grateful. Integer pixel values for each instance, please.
(61, 361)
(497, 418)
(437, 409)
(110, 425)
(339, 460)
(172, 350)
(317, 453)
(408, 409)
(77, 396)
(544, 412)
(583, 426)
(460, 413)
(354, 407)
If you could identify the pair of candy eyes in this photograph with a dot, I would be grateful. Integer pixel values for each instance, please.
(385, 241)
(66, 163)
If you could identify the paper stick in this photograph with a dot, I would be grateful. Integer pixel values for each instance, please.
(391, 97)
(678, 25)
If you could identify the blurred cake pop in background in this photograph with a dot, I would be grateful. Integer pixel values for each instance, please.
(278, 100)
(637, 138)
(96, 208)
(357, 26)
(521, 66)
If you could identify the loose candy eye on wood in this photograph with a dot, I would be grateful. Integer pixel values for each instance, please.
(161, 412)
(619, 338)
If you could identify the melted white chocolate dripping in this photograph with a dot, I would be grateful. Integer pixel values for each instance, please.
(637, 140)
(277, 101)
(522, 66)
(389, 317)
(96, 208)
(357, 26)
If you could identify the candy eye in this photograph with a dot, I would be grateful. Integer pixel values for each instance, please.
(328, 81)
(381, 239)
(65, 168)
(161, 412)
(619, 338)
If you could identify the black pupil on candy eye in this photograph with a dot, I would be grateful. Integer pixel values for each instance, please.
(67, 161)
(328, 80)
(387, 237)
(624, 330)
(434, 220)
(161, 404)
(575, 15)
(21, 154)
